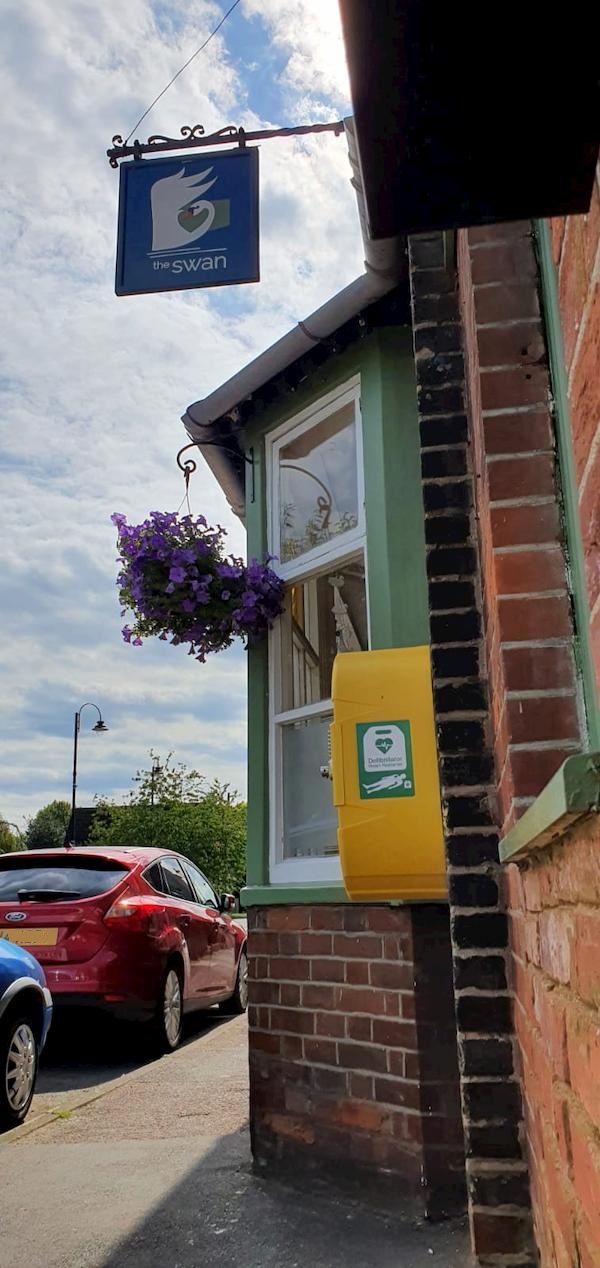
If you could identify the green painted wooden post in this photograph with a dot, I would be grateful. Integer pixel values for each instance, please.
(395, 532)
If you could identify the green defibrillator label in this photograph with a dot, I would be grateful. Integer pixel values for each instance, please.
(385, 767)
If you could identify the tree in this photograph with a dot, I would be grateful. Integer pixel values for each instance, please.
(174, 808)
(46, 830)
(8, 840)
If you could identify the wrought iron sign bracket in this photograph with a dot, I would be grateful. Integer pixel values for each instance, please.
(193, 138)
(188, 466)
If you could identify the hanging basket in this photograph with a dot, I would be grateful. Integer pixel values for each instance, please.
(181, 587)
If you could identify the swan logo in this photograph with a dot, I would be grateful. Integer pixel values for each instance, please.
(180, 213)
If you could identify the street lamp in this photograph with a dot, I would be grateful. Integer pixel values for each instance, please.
(99, 727)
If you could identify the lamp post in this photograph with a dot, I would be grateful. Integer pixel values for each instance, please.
(98, 728)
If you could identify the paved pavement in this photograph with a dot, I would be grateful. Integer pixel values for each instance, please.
(156, 1173)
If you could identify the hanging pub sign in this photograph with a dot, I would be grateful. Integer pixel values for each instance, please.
(186, 223)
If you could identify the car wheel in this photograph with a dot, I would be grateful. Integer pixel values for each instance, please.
(168, 1018)
(238, 1002)
(18, 1071)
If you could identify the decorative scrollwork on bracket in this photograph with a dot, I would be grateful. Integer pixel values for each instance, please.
(193, 130)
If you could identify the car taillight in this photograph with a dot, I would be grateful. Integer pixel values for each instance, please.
(133, 914)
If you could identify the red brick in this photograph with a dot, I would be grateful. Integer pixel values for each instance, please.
(532, 768)
(320, 1050)
(518, 433)
(522, 980)
(583, 1030)
(524, 525)
(355, 1056)
(395, 977)
(397, 948)
(289, 995)
(586, 1165)
(587, 953)
(506, 302)
(395, 1034)
(327, 970)
(332, 1025)
(538, 668)
(356, 1114)
(263, 1042)
(315, 943)
(530, 571)
(556, 930)
(530, 476)
(357, 972)
(589, 515)
(389, 920)
(291, 1128)
(398, 1092)
(588, 1242)
(359, 1028)
(573, 283)
(493, 262)
(263, 992)
(258, 966)
(323, 996)
(527, 619)
(355, 1000)
(291, 1047)
(590, 225)
(532, 888)
(549, 1010)
(585, 386)
(287, 917)
(326, 918)
(499, 233)
(326, 1080)
(361, 1087)
(288, 967)
(299, 1023)
(532, 719)
(513, 883)
(359, 945)
(261, 942)
(513, 388)
(557, 230)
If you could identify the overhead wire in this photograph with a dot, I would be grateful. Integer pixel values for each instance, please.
(184, 67)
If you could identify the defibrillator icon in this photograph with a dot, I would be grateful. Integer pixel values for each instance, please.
(385, 760)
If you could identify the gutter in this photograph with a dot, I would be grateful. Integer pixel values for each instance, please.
(213, 422)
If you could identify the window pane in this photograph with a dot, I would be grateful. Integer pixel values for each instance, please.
(178, 884)
(318, 493)
(309, 818)
(324, 614)
(203, 891)
(85, 877)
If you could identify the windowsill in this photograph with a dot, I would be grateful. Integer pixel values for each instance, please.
(572, 793)
(302, 893)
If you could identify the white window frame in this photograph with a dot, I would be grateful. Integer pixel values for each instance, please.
(340, 549)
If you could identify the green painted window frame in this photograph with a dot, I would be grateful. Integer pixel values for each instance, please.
(395, 550)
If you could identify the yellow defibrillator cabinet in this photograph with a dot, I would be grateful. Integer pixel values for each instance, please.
(385, 775)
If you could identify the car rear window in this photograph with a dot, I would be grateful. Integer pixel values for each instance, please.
(79, 877)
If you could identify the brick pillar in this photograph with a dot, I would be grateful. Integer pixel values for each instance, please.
(496, 1173)
(353, 1065)
(534, 692)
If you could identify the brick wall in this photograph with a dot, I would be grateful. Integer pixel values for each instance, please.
(534, 696)
(576, 243)
(353, 1066)
(496, 1173)
(555, 920)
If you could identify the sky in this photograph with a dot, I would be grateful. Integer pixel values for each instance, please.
(93, 386)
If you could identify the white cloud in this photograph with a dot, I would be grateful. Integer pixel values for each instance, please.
(93, 386)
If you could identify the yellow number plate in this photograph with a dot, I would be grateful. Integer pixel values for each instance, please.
(30, 937)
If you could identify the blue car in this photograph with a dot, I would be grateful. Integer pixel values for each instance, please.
(25, 1016)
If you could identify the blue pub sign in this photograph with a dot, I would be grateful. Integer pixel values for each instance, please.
(186, 223)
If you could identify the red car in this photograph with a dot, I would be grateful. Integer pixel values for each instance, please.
(139, 932)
